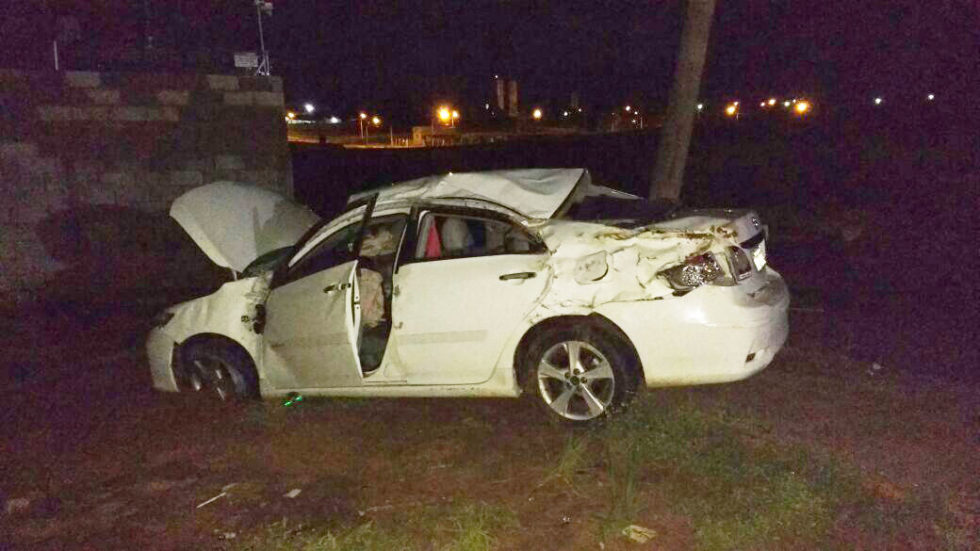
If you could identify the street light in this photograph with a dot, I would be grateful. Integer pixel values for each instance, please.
(537, 113)
(931, 97)
(309, 108)
(772, 101)
(802, 107)
(445, 115)
(628, 108)
(361, 119)
(732, 109)
(878, 100)
(376, 120)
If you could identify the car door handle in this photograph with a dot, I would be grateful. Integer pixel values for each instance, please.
(336, 287)
(517, 275)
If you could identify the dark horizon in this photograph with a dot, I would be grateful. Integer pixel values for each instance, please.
(402, 59)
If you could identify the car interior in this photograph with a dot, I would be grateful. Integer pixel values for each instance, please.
(374, 278)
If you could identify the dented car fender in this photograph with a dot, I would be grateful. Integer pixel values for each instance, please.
(232, 312)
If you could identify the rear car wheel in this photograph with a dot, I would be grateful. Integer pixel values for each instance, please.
(218, 368)
(581, 374)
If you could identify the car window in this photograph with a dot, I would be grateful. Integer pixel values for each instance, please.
(383, 235)
(455, 236)
(269, 261)
(332, 251)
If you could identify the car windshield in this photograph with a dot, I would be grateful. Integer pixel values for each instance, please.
(623, 213)
(269, 261)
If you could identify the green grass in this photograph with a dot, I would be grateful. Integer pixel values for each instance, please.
(452, 527)
(737, 494)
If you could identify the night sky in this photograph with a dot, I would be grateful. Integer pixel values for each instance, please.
(401, 57)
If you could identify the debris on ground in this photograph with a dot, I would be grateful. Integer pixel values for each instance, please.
(16, 505)
(639, 534)
(291, 494)
(212, 500)
(292, 399)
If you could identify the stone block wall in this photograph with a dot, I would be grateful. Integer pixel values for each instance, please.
(89, 160)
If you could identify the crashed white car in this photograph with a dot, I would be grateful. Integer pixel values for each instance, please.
(471, 284)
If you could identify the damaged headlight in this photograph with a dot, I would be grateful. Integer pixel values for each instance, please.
(162, 319)
(694, 272)
(591, 268)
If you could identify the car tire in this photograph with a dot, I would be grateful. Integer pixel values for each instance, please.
(580, 374)
(222, 369)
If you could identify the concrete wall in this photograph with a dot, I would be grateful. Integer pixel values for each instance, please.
(89, 163)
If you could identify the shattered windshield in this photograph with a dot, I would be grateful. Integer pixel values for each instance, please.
(623, 213)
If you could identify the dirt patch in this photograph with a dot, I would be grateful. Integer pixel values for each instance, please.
(104, 462)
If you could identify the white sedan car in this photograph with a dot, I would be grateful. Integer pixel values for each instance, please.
(471, 284)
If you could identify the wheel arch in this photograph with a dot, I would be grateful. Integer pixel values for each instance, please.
(198, 339)
(596, 321)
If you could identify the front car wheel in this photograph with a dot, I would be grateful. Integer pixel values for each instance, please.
(220, 369)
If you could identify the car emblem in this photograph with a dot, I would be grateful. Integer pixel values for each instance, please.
(755, 222)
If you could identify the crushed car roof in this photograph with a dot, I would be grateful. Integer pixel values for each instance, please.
(533, 193)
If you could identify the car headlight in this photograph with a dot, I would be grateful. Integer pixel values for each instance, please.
(591, 268)
(694, 272)
(162, 319)
(741, 265)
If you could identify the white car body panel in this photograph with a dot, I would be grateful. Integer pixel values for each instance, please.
(235, 223)
(432, 342)
(316, 347)
(457, 326)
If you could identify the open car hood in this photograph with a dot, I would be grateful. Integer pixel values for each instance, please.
(533, 193)
(235, 223)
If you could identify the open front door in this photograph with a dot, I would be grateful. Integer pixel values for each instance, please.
(311, 336)
(314, 315)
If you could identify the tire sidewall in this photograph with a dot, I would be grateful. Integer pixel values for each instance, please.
(236, 362)
(624, 371)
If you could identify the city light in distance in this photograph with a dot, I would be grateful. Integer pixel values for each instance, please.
(772, 101)
(363, 115)
(376, 120)
(700, 106)
(537, 113)
(628, 108)
(786, 103)
(931, 97)
(455, 114)
(444, 114)
(334, 120)
(309, 107)
(290, 115)
(878, 100)
(802, 107)
(731, 109)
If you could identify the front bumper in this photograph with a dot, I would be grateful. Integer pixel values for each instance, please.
(160, 352)
(712, 335)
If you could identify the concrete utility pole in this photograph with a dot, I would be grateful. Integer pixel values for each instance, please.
(675, 137)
